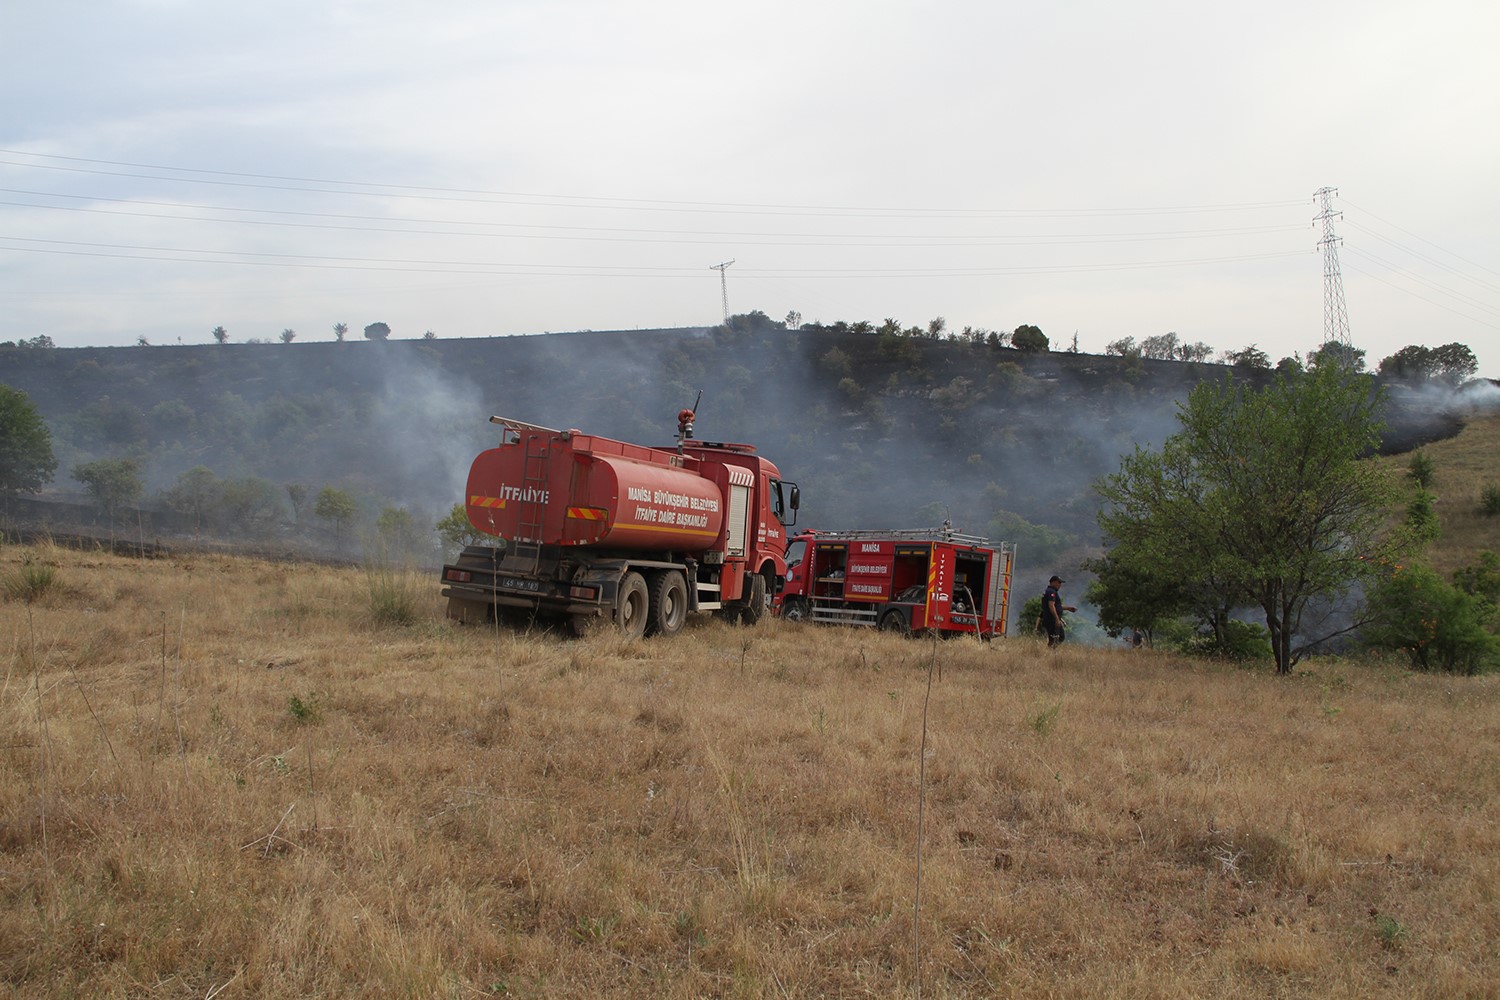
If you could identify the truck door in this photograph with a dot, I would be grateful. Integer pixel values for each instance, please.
(940, 586)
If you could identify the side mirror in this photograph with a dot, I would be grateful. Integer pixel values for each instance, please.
(796, 500)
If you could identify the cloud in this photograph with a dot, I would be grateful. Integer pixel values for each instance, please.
(969, 160)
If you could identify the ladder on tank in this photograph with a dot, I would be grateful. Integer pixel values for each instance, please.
(537, 442)
(533, 485)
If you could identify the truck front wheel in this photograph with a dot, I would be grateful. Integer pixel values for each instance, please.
(794, 609)
(632, 605)
(668, 603)
(755, 602)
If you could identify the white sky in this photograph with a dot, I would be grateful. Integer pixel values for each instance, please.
(484, 167)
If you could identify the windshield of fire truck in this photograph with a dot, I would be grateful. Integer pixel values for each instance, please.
(795, 552)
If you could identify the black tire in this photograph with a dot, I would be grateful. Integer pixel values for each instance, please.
(632, 606)
(669, 601)
(755, 604)
(469, 612)
(895, 621)
(794, 609)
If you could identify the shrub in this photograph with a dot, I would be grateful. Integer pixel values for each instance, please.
(305, 712)
(1482, 577)
(1240, 641)
(1420, 469)
(1489, 500)
(1437, 625)
(1421, 519)
(1031, 616)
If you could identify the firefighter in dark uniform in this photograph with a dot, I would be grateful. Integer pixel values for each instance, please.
(1052, 612)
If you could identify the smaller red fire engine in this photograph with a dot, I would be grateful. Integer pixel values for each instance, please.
(924, 580)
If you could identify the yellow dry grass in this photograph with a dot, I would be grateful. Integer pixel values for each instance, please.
(219, 778)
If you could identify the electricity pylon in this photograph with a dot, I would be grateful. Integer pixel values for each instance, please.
(723, 285)
(1335, 313)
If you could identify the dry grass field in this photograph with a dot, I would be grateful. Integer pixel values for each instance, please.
(222, 777)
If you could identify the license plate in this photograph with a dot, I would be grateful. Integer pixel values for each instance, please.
(511, 583)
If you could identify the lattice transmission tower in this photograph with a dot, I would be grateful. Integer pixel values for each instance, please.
(1335, 313)
(723, 285)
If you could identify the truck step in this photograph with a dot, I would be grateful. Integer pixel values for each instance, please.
(844, 616)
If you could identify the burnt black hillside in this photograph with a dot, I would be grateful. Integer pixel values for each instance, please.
(879, 430)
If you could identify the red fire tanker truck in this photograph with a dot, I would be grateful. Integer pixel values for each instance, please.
(902, 581)
(593, 529)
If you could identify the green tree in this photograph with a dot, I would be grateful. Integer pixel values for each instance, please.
(1263, 494)
(377, 331)
(1197, 351)
(340, 331)
(1162, 347)
(1454, 363)
(1333, 353)
(1248, 357)
(195, 495)
(1129, 596)
(397, 533)
(221, 334)
(26, 459)
(1030, 339)
(111, 483)
(1413, 363)
(251, 505)
(337, 507)
(457, 532)
(288, 335)
(296, 493)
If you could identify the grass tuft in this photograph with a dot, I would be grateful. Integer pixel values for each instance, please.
(394, 594)
(31, 581)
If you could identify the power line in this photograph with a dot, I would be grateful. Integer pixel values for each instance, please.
(1407, 291)
(387, 190)
(202, 255)
(842, 240)
(1415, 277)
(1424, 240)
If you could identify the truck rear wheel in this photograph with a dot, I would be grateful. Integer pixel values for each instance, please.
(632, 606)
(468, 612)
(895, 621)
(668, 603)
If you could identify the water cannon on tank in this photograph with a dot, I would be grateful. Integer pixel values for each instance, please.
(685, 418)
